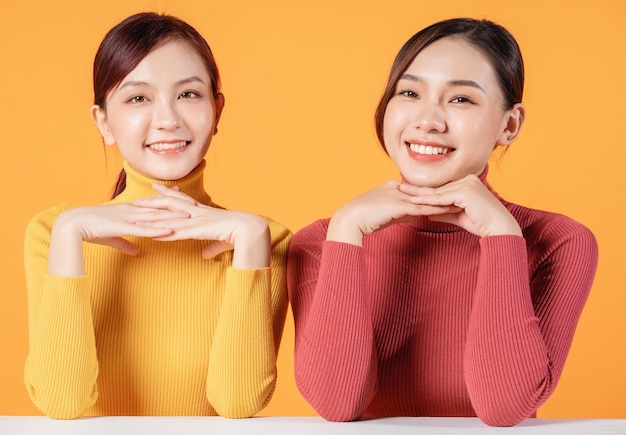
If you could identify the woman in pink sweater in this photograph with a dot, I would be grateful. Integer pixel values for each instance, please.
(433, 296)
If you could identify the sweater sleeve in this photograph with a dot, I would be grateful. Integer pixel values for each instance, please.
(242, 366)
(61, 367)
(335, 357)
(523, 321)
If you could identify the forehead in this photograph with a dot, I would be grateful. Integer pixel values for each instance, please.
(453, 58)
(171, 59)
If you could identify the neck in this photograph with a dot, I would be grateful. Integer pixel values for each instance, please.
(140, 186)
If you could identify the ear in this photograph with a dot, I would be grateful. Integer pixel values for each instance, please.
(99, 116)
(514, 118)
(219, 106)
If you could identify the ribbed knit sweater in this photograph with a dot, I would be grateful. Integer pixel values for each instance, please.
(164, 333)
(427, 319)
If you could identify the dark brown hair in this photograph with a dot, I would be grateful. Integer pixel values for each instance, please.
(492, 39)
(129, 42)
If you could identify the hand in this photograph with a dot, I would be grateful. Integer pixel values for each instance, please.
(105, 225)
(373, 210)
(246, 233)
(473, 206)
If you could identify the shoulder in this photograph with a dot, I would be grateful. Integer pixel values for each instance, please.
(548, 231)
(43, 221)
(38, 230)
(278, 232)
(311, 237)
(546, 221)
(314, 233)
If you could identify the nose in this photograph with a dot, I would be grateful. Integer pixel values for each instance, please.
(166, 116)
(430, 116)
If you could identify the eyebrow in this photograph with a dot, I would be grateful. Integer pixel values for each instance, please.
(184, 81)
(457, 82)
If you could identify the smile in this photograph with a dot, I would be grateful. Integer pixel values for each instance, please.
(428, 150)
(162, 146)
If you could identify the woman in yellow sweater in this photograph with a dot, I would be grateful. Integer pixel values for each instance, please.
(158, 302)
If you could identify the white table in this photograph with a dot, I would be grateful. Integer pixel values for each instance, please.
(297, 426)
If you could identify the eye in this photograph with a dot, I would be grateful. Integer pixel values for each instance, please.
(137, 99)
(461, 99)
(408, 93)
(190, 94)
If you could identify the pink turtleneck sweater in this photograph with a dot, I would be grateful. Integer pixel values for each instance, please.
(427, 319)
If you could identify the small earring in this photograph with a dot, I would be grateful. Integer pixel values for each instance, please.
(215, 130)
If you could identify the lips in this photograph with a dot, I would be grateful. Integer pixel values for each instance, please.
(428, 149)
(168, 146)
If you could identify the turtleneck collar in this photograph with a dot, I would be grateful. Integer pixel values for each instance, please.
(422, 223)
(140, 186)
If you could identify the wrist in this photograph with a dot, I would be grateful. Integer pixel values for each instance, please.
(343, 229)
(65, 254)
(252, 245)
(66, 227)
(510, 228)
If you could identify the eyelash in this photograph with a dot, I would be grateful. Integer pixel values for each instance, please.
(137, 99)
(465, 100)
(190, 94)
(142, 98)
(461, 99)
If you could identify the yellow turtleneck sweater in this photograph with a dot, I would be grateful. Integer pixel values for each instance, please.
(163, 333)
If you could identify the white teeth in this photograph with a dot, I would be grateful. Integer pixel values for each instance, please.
(167, 146)
(423, 149)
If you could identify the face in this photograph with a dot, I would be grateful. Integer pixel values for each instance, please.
(163, 114)
(447, 115)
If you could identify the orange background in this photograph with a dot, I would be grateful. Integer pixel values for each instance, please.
(297, 138)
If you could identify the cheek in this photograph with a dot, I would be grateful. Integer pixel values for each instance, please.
(392, 135)
(474, 128)
(204, 119)
(126, 123)
(394, 122)
(200, 119)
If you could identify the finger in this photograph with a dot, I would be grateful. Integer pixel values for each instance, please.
(139, 206)
(411, 211)
(140, 230)
(433, 199)
(173, 192)
(174, 223)
(196, 232)
(432, 210)
(463, 195)
(429, 210)
(155, 203)
(171, 203)
(156, 216)
(425, 191)
(409, 189)
(215, 248)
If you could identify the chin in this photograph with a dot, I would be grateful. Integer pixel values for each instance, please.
(422, 181)
(429, 177)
